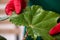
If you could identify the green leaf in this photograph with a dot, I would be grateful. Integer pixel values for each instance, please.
(18, 19)
(37, 20)
(2, 38)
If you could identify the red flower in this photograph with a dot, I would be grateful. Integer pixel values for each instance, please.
(55, 29)
(15, 5)
(9, 8)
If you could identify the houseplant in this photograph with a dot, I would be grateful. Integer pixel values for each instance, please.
(37, 21)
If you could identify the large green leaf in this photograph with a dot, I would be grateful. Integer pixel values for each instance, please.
(37, 20)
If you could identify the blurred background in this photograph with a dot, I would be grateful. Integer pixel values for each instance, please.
(7, 29)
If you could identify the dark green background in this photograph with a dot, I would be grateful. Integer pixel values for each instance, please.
(53, 5)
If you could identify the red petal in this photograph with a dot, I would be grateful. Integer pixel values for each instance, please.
(17, 5)
(9, 8)
(55, 29)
